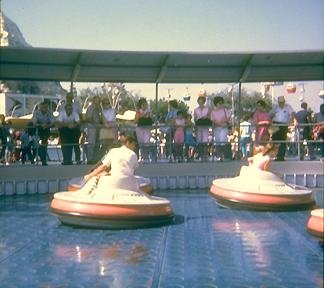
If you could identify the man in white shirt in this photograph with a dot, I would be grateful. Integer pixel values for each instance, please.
(122, 162)
(281, 114)
(70, 100)
(68, 122)
(108, 133)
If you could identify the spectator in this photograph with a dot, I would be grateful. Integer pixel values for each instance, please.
(108, 135)
(144, 121)
(319, 129)
(245, 137)
(29, 144)
(281, 114)
(94, 122)
(179, 134)
(202, 122)
(83, 145)
(4, 135)
(15, 143)
(77, 109)
(304, 117)
(70, 100)
(221, 119)
(169, 130)
(292, 140)
(262, 121)
(190, 141)
(69, 133)
(233, 139)
(43, 119)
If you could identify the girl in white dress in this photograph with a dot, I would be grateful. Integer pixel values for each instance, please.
(262, 156)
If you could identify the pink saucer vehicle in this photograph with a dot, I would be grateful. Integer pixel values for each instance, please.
(260, 190)
(315, 224)
(98, 205)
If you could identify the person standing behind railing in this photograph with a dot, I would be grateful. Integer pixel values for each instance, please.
(203, 123)
(4, 134)
(94, 122)
(71, 99)
(179, 136)
(68, 123)
(245, 137)
(43, 120)
(29, 144)
(319, 129)
(169, 130)
(144, 121)
(304, 117)
(190, 140)
(108, 135)
(261, 121)
(281, 114)
(221, 119)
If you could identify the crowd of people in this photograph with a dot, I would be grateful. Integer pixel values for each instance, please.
(206, 134)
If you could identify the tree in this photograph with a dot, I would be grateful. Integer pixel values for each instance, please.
(123, 100)
(119, 98)
(161, 109)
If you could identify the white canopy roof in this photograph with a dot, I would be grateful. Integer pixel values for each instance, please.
(158, 67)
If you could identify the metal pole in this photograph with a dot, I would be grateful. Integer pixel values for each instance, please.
(157, 113)
(239, 103)
(156, 97)
(233, 107)
(239, 118)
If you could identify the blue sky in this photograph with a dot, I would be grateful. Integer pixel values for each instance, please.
(171, 25)
(175, 25)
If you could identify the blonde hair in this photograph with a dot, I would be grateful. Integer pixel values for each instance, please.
(265, 148)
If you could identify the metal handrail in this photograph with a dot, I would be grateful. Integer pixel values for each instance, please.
(162, 128)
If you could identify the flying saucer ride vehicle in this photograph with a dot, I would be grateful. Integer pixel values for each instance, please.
(256, 189)
(315, 224)
(98, 205)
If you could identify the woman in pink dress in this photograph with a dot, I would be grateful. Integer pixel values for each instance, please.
(143, 119)
(202, 121)
(221, 119)
(262, 122)
(178, 138)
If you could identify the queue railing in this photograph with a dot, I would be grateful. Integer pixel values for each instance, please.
(161, 146)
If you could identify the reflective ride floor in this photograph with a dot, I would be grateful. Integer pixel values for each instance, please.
(206, 246)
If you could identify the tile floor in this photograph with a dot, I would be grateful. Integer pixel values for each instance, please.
(206, 246)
